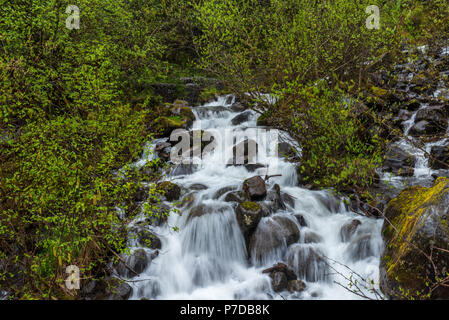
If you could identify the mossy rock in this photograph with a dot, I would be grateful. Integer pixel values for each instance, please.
(418, 220)
(248, 215)
(379, 92)
(170, 190)
(179, 116)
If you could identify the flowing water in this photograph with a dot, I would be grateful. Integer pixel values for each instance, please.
(207, 257)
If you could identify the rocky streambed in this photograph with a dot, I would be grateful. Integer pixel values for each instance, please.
(249, 230)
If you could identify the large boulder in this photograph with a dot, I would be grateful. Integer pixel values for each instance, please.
(248, 215)
(278, 281)
(137, 261)
(416, 227)
(274, 199)
(241, 118)
(255, 188)
(238, 107)
(281, 267)
(308, 262)
(281, 277)
(177, 116)
(430, 120)
(439, 157)
(109, 288)
(272, 236)
(236, 196)
(399, 162)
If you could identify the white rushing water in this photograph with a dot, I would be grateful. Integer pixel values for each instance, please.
(207, 258)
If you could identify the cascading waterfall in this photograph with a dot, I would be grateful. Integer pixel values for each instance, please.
(208, 259)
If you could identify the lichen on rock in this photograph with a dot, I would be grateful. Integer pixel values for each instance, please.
(416, 224)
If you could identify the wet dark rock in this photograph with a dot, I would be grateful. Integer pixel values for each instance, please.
(286, 150)
(238, 107)
(216, 110)
(288, 199)
(254, 167)
(403, 115)
(439, 157)
(312, 237)
(435, 114)
(255, 188)
(223, 191)
(88, 289)
(296, 286)
(349, 229)
(282, 267)
(329, 201)
(274, 200)
(183, 169)
(301, 220)
(200, 211)
(118, 290)
(145, 237)
(161, 146)
(109, 288)
(308, 263)
(197, 187)
(137, 261)
(424, 127)
(430, 120)
(278, 281)
(236, 196)
(241, 118)
(272, 234)
(170, 190)
(163, 150)
(399, 162)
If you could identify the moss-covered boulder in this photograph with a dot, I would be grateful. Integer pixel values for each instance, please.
(170, 190)
(248, 215)
(416, 233)
(175, 116)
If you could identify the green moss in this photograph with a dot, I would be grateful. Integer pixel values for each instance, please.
(404, 213)
(251, 206)
(379, 92)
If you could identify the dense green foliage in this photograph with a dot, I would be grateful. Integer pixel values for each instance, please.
(68, 121)
(313, 56)
(76, 105)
